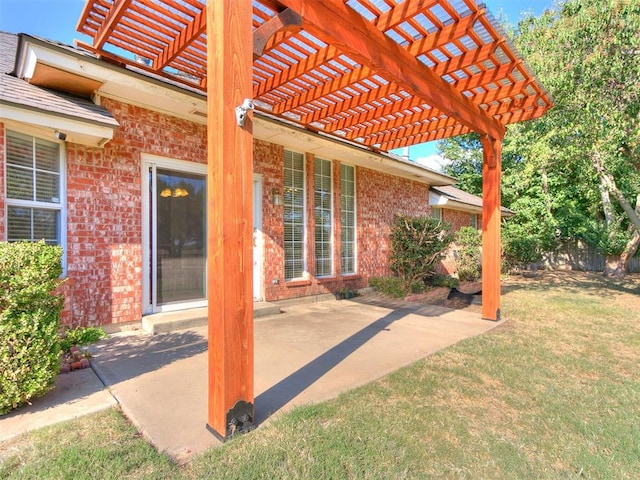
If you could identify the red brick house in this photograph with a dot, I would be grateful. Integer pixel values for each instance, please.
(109, 161)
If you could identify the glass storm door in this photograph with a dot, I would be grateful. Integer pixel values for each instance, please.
(178, 257)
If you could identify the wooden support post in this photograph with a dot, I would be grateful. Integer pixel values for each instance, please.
(491, 217)
(229, 218)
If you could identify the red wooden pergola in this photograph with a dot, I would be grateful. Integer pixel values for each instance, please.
(379, 73)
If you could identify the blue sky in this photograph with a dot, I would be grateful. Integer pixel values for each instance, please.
(57, 19)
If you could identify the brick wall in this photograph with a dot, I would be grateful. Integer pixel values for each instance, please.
(104, 212)
(104, 216)
(378, 197)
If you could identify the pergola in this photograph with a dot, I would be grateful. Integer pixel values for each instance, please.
(381, 74)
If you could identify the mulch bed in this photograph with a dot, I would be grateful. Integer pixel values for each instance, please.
(439, 296)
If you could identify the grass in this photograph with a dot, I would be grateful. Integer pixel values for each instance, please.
(552, 393)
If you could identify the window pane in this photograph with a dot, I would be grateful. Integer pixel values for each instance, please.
(18, 224)
(46, 225)
(324, 217)
(293, 215)
(47, 155)
(19, 149)
(48, 187)
(19, 183)
(348, 216)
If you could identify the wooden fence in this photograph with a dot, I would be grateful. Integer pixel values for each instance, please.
(578, 255)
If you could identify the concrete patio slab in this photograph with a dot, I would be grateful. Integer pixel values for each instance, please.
(309, 353)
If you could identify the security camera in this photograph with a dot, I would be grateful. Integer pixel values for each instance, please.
(248, 104)
(61, 136)
(243, 110)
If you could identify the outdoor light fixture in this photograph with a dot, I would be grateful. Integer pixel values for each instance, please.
(276, 197)
(175, 193)
(60, 135)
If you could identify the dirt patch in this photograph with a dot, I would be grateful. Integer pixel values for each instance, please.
(441, 297)
(592, 283)
(435, 295)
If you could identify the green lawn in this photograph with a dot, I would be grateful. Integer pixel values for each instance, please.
(553, 393)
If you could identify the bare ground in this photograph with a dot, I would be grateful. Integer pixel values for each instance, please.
(593, 283)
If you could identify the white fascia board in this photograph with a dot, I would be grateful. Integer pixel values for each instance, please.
(333, 149)
(442, 201)
(77, 131)
(463, 207)
(437, 200)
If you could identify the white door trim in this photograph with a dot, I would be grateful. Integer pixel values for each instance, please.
(258, 240)
(150, 163)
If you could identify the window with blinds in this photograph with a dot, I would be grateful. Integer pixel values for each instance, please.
(323, 207)
(348, 218)
(294, 243)
(33, 176)
(436, 213)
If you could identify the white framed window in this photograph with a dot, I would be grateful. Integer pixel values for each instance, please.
(436, 213)
(294, 215)
(348, 218)
(323, 210)
(474, 220)
(34, 189)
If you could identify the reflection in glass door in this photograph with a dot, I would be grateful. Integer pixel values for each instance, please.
(177, 273)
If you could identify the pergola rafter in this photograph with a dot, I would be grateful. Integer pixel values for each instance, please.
(318, 81)
(383, 74)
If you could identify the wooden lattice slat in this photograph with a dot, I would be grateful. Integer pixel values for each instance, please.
(299, 77)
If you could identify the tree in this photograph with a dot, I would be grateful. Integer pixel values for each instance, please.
(575, 172)
(464, 153)
(587, 54)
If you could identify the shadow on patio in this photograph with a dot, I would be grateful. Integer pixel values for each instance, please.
(308, 354)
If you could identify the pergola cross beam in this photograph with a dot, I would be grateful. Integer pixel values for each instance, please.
(337, 24)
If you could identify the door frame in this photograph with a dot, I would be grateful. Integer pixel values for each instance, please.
(149, 212)
(258, 240)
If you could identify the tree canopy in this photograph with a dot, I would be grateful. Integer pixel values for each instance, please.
(575, 172)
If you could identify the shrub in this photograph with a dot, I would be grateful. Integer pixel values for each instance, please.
(390, 286)
(417, 243)
(29, 321)
(81, 336)
(468, 242)
(518, 252)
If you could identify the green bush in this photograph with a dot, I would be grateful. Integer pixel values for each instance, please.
(518, 252)
(468, 242)
(417, 243)
(81, 336)
(29, 321)
(390, 286)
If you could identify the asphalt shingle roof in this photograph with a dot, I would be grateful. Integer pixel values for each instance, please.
(463, 197)
(18, 92)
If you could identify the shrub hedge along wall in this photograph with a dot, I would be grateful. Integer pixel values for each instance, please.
(29, 321)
